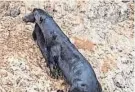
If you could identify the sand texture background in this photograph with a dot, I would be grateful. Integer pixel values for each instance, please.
(102, 30)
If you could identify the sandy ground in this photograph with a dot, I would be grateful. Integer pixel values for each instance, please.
(102, 30)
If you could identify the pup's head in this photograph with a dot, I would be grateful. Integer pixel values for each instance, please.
(37, 15)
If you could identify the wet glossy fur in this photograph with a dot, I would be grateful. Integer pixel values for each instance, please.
(76, 69)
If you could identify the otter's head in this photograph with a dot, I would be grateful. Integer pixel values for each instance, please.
(37, 15)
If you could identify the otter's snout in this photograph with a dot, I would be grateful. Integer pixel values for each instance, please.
(29, 18)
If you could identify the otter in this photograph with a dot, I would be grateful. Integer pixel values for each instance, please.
(76, 69)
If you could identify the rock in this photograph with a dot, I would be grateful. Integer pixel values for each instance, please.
(107, 26)
(119, 80)
(14, 12)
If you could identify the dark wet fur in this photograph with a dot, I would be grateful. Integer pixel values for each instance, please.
(55, 71)
(76, 69)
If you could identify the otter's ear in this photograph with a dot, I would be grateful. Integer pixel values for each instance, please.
(35, 9)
